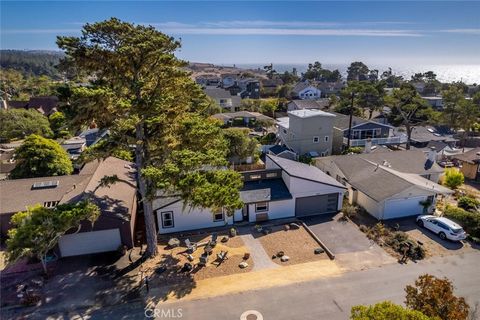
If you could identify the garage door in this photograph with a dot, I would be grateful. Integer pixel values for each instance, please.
(403, 208)
(89, 242)
(307, 206)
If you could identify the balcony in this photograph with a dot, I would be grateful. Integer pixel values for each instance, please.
(377, 141)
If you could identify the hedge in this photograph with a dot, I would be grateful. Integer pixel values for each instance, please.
(470, 221)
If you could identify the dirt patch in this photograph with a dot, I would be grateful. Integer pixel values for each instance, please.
(174, 259)
(297, 244)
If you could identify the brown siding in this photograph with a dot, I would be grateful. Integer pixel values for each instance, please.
(469, 170)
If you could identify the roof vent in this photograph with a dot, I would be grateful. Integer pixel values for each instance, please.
(45, 184)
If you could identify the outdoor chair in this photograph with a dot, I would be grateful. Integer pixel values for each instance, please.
(203, 260)
(191, 247)
(221, 257)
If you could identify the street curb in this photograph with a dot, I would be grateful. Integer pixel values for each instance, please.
(314, 236)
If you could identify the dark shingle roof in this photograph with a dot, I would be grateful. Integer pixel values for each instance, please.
(45, 105)
(301, 86)
(278, 149)
(472, 156)
(311, 104)
(278, 190)
(217, 93)
(304, 171)
(425, 134)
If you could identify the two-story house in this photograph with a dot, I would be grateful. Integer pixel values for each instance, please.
(307, 131)
(306, 91)
(363, 131)
(223, 98)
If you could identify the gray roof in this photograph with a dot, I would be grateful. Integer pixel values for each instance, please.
(217, 93)
(342, 121)
(304, 171)
(241, 114)
(382, 175)
(425, 134)
(301, 86)
(311, 104)
(118, 199)
(472, 156)
(264, 190)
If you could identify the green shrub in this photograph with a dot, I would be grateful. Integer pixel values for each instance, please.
(468, 203)
(353, 150)
(470, 221)
(453, 178)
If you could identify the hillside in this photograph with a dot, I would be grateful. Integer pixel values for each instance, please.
(34, 62)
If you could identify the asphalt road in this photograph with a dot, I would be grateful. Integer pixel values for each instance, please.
(332, 298)
(329, 298)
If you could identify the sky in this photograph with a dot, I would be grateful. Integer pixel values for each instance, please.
(289, 32)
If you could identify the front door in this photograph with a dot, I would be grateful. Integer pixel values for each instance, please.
(242, 216)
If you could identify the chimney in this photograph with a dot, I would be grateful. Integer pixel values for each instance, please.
(368, 145)
(432, 154)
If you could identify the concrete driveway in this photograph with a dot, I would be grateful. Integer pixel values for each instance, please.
(432, 242)
(349, 245)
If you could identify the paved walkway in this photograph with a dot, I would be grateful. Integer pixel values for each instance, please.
(261, 260)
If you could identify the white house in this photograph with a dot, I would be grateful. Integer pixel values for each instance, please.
(284, 189)
(388, 185)
(306, 91)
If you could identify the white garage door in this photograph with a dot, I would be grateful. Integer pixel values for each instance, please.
(89, 242)
(403, 208)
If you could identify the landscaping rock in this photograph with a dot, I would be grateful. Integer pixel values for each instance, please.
(233, 232)
(266, 231)
(284, 258)
(294, 226)
(286, 227)
(225, 239)
(190, 257)
(318, 250)
(243, 265)
(280, 254)
(173, 242)
(274, 257)
(246, 256)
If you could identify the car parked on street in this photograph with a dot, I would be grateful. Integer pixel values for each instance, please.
(445, 228)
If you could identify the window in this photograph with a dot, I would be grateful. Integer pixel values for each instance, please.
(271, 175)
(218, 217)
(50, 204)
(326, 138)
(284, 131)
(167, 219)
(316, 139)
(261, 207)
(255, 176)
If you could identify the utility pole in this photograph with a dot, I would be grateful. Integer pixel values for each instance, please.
(350, 122)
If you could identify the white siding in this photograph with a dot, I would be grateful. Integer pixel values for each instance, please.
(304, 188)
(276, 210)
(397, 208)
(189, 219)
(372, 206)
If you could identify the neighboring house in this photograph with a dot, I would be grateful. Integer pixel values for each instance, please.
(284, 189)
(223, 98)
(419, 86)
(46, 105)
(307, 131)
(207, 80)
(306, 91)
(388, 185)
(362, 131)
(330, 88)
(423, 135)
(270, 86)
(282, 152)
(117, 203)
(320, 104)
(436, 102)
(93, 135)
(229, 79)
(7, 161)
(251, 88)
(74, 146)
(470, 164)
(381, 116)
(242, 118)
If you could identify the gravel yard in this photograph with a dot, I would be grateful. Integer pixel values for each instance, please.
(297, 244)
(174, 259)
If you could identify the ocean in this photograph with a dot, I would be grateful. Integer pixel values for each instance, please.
(470, 74)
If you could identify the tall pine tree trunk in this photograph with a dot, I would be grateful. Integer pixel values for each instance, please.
(151, 232)
(409, 135)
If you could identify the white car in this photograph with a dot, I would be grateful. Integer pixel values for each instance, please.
(445, 228)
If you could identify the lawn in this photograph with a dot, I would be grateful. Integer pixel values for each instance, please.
(297, 244)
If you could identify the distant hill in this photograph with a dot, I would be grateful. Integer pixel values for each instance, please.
(35, 62)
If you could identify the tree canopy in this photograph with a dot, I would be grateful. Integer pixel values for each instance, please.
(37, 230)
(40, 157)
(240, 146)
(386, 310)
(315, 71)
(434, 297)
(145, 97)
(357, 71)
(19, 123)
(408, 109)
(36, 63)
